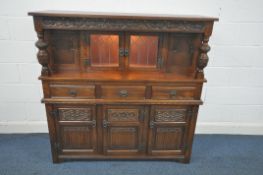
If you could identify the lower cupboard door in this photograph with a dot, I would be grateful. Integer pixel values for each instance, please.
(166, 140)
(168, 130)
(76, 130)
(123, 130)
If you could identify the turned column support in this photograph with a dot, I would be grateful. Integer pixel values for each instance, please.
(203, 58)
(204, 49)
(42, 55)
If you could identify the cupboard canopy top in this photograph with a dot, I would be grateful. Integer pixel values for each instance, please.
(111, 15)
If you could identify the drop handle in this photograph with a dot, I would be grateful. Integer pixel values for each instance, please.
(172, 93)
(72, 92)
(123, 93)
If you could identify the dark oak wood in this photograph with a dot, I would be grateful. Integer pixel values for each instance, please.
(121, 86)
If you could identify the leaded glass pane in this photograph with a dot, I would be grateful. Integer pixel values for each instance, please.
(104, 50)
(143, 51)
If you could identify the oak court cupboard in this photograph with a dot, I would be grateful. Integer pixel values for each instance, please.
(121, 86)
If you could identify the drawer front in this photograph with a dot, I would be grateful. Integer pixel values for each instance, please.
(72, 91)
(173, 92)
(123, 92)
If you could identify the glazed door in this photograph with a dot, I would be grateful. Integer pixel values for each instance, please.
(143, 51)
(124, 130)
(102, 50)
(76, 130)
(168, 130)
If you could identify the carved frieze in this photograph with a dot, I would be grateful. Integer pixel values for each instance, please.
(170, 115)
(121, 25)
(123, 114)
(77, 114)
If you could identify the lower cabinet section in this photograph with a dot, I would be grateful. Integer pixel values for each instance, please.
(122, 131)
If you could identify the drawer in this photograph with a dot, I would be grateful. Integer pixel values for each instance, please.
(72, 91)
(123, 92)
(173, 92)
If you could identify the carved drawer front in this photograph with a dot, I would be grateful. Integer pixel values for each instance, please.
(72, 91)
(123, 130)
(123, 92)
(176, 93)
(76, 130)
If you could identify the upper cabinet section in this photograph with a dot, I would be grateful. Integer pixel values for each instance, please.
(86, 42)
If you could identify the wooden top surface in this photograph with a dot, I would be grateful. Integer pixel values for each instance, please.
(117, 76)
(111, 15)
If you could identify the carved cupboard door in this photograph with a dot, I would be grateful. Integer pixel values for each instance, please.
(183, 51)
(124, 130)
(76, 130)
(168, 130)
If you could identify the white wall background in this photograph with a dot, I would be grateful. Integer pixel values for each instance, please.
(233, 95)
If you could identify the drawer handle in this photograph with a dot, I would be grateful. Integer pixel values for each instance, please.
(172, 93)
(72, 93)
(123, 93)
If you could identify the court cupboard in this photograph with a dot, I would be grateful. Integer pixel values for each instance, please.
(121, 86)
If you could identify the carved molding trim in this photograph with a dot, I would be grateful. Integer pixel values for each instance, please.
(123, 114)
(171, 115)
(179, 130)
(77, 114)
(123, 129)
(121, 24)
(76, 129)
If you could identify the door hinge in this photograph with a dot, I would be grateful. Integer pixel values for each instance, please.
(105, 123)
(152, 124)
(141, 147)
(121, 52)
(142, 115)
(126, 52)
(186, 147)
(87, 62)
(160, 62)
(56, 145)
(93, 122)
(54, 113)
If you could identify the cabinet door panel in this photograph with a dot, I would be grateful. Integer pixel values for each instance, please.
(63, 49)
(102, 50)
(168, 130)
(76, 127)
(124, 130)
(144, 50)
(183, 50)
